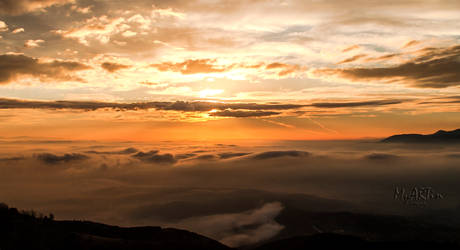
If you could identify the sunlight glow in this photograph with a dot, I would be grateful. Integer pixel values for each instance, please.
(210, 92)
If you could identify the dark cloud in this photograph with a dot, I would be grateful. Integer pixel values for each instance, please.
(380, 156)
(113, 67)
(206, 157)
(154, 157)
(240, 113)
(353, 58)
(120, 152)
(455, 156)
(223, 109)
(10, 159)
(434, 68)
(54, 159)
(356, 104)
(231, 155)
(383, 57)
(276, 154)
(184, 156)
(191, 66)
(176, 106)
(443, 100)
(15, 66)
(15, 7)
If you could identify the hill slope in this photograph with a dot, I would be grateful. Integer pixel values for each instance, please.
(439, 137)
(26, 231)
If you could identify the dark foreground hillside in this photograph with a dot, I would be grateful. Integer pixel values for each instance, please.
(26, 230)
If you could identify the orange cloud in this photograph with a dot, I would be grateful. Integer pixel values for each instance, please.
(192, 66)
(353, 58)
(411, 43)
(351, 48)
(113, 67)
(285, 69)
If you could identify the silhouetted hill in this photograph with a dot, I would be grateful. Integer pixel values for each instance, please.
(311, 230)
(439, 137)
(338, 241)
(25, 230)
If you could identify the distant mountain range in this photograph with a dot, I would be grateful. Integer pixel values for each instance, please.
(441, 136)
(336, 230)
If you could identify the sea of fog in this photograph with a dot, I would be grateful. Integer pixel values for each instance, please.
(229, 191)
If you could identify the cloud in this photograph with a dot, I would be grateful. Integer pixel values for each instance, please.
(18, 30)
(175, 106)
(356, 104)
(3, 26)
(119, 152)
(184, 156)
(277, 154)
(443, 100)
(434, 68)
(380, 157)
(99, 28)
(231, 155)
(206, 157)
(14, 66)
(113, 67)
(352, 59)
(10, 159)
(239, 113)
(411, 43)
(16, 7)
(154, 157)
(284, 69)
(383, 58)
(54, 159)
(238, 229)
(192, 66)
(33, 43)
(353, 47)
(129, 33)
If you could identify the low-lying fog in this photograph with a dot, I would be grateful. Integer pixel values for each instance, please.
(232, 193)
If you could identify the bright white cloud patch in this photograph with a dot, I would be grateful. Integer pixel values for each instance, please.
(3, 26)
(18, 30)
(33, 43)
(240, 229)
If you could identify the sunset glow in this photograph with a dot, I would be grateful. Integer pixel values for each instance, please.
(352, 70)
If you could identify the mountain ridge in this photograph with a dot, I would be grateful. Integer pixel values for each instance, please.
(440, 136)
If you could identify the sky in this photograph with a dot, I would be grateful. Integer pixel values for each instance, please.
(224, 70)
